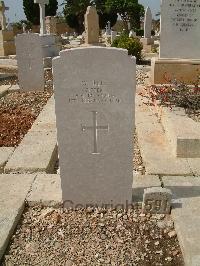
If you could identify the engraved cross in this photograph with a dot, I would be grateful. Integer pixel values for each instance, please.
(95, 128)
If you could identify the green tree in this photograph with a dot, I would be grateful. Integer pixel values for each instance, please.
(32, 11)
(104, 14)
(74, 11)
(129, 11)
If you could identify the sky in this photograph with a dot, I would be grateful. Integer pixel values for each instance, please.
(16, 12)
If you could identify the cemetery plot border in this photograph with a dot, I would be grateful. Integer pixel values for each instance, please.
(38, 150)
(168, 103)
(18, 112)
(153, 244)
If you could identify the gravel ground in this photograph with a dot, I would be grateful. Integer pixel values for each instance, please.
(138, 165)
(93, 237)
(10, 80)
(18, 111)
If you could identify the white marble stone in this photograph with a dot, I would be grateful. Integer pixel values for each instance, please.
(94, 97)
(42, 4)
(180, 24)
(132, 33)
(113, 35)
(30, 61)
(147, 23)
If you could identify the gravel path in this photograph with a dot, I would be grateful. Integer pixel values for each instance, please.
(93, 237)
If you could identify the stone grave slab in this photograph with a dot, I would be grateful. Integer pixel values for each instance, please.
(30, 62)
(94, 99)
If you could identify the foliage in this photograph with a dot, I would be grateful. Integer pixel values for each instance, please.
(133, 45)
(104, 14)
(129, 11)
(32, 10)
(19, 25)
(74, 11)
(178, 94)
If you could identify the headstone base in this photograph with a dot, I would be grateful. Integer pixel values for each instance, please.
(147, 48)
(183, 70)
(93, 44)
(49, 46)
(147, 41)
(7, 44)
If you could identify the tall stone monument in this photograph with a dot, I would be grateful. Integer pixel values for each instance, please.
(48, 41)
(7, 44)
(91, 26)
(179, 56)
(42, 4)
(94, 99)
(147, 40)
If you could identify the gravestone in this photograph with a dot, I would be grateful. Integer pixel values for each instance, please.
(113, 36)
(132, 33)
(180, 24)
(91, 26)
(109, 28)
(147, 23)
(94, 98)
(157, 200)
(30, 61)
(147, 40)
(50, 47)
(179, 56)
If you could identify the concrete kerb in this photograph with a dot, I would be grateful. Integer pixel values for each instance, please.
(157, 156)
(5, 154)
(4, 90)
(185, 214)
(38, 150)
(13, 191)
(184, 140)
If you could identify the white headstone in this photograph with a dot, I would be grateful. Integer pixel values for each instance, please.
(30, 61)
(94, 97)
(24, 27)
(109, 28)
(42, 4)
(9, 27)
(147, 23)
(132, 33)
(180, 25)
(113, 35)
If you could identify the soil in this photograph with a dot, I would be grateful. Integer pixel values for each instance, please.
(18, 111)
(93, 237)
